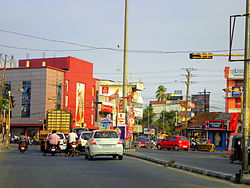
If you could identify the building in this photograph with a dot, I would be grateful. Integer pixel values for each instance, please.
(51, 83)
(210, 125)
(111, 106)
(233, 91)
(110, 96)
(201, 102)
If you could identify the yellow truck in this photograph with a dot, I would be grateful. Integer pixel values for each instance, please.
(59, 120)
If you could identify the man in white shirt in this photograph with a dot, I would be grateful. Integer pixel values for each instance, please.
(72, 136)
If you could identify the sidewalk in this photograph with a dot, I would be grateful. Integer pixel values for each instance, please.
(171, 163)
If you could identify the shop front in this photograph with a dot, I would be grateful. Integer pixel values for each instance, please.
(216, 134)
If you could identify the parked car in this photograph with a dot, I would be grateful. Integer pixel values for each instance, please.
(143, 142)
(174, 142)
(104, 142)
(62, 141)
(82, 140)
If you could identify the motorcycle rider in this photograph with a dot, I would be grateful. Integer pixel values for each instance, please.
(53, 140)
(72, 137)
(23, 139)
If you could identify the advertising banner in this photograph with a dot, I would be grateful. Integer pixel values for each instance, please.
(121, 119)
(79, 116)
(214, 125)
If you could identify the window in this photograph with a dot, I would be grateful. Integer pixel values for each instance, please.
(59, 96)
(7, 88)
(27, 64)
(66, 101)
(26, 99)
(43, 63)
(67, 85)
(106, 134)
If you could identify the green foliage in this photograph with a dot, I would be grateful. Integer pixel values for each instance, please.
(148, 116)
(161, 94)
(3, 104)
(167, 122)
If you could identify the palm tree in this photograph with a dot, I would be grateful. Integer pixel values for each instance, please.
(161, 94)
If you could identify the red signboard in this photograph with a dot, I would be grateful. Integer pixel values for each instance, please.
(105, 90)
(214, 125)
(106, 108)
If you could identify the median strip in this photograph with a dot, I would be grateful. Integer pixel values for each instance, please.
(172, 163)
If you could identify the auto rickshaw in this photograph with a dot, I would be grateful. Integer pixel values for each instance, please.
(236, 149)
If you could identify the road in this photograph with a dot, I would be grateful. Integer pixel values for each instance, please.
(32, 170)
(205, 160)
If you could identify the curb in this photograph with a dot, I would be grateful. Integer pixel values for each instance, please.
(210, 173)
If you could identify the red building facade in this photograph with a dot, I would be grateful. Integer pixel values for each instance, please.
(75, 87)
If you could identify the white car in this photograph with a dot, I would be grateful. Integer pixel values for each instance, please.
(62, 141)
(104, 142)
(82, 140)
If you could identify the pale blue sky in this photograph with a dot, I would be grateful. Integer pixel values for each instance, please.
(159, 25)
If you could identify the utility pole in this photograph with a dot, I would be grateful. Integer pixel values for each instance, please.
(2, 114)
(8, 121)
(125, 61)
(245, 132)
(188, 83)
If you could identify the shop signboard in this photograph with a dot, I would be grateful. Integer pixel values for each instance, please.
(214, 125)
(121, 119)
(105, 90)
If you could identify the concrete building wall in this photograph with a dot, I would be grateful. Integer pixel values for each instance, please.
(42, 99)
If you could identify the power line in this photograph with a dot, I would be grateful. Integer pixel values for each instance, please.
(90, 47)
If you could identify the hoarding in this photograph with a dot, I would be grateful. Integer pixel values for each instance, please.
(79, 116)
(214, 125)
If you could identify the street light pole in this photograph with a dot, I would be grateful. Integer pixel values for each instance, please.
(125, 60)
(8, 121)
(245, 132)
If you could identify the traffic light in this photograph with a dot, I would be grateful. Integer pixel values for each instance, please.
(201, 56)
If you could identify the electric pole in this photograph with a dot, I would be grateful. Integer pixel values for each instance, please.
(188, 83)
(125, 61)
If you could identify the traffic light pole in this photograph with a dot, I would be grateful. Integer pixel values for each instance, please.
(245, 132)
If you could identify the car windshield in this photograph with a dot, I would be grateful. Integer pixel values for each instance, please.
(85, 136)
(106, 134)
(183, 138)
(60, 135)
(143, 139)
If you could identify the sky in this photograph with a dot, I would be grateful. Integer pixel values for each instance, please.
(161, 34)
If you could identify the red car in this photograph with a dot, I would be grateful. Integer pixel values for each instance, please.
(174, 142)
(143, 142)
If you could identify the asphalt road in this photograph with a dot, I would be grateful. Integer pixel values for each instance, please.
(32, 170)
(205, 160)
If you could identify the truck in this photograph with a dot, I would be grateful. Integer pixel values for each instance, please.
(59, 120)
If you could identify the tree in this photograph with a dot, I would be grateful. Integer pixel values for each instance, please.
(167, 121)
(148, 116)
(3, 104)
(161, 94)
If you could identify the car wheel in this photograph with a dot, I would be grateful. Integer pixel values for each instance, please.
(176, 148)
(120, 157)
(159, 147)
(186, 149)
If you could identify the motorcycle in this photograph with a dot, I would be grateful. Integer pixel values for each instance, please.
(193, 146)
(23, 147)
(71, 150)
(52, 149)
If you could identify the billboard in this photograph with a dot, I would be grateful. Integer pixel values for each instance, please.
(201, 102)
(79, 116)
(214, 125)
